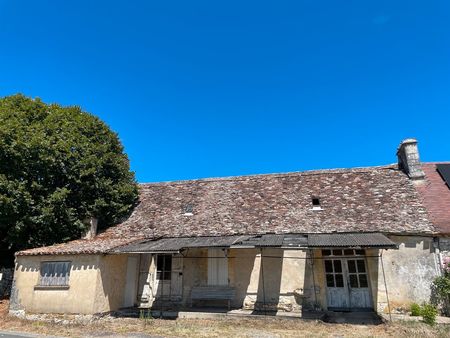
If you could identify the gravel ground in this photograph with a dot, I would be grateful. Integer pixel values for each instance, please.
(106, 326)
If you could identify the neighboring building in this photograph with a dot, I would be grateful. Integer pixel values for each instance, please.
(344, 239)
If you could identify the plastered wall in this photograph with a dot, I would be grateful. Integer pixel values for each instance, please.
(278, 283)
(96, 285)
(283, 279)
(409, 273)
(78, 298)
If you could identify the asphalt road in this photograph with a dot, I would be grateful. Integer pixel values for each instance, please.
(4, 334)
(21, 335)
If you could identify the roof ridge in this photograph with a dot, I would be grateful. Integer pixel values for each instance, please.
(292, 173)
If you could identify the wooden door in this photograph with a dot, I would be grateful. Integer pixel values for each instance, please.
(337, 292)
(347, 280)
(176, 292)
(358, 284)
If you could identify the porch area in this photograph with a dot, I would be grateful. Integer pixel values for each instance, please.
(295, 276)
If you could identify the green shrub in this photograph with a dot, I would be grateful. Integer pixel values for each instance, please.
(415, 310)
(429, 313)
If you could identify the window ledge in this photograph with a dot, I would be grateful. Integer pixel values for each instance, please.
(51, 287)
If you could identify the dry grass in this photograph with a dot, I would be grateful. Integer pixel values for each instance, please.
(229, 327)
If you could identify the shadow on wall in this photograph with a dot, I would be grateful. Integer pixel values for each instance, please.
(28, 267)
(34, 265)
(259, 282)
(110, 296)
(308, 298)
(243, 267)
(269, 285)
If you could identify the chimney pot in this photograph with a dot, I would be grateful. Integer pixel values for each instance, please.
(408, 159)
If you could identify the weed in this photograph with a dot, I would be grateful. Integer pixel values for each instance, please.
(415, 310)
(429, 313)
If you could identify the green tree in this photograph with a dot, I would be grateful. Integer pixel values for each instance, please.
(58, 167)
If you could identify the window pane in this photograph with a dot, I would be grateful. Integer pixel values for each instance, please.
(54, 273)
(160, 262)
(359, 252)
(353, 281)
(168, 266)
(326, 252)
(363, 280)
(337, 252)
(164, 267)
(339, 281)
(167, 275)
(348, 252)
(351, 266)
(337, 266)
(330, 280)
(328, 266)
(361, 265)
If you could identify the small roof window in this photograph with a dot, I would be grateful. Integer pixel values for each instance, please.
(188, 210)
(316, 203)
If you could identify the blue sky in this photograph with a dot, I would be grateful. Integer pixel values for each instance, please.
(208, 88)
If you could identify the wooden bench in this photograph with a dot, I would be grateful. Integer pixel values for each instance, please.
(213, 293)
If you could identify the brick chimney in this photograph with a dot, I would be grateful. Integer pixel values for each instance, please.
(408, 159)
(92, 230)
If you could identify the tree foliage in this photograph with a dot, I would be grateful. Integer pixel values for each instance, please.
(58, 167)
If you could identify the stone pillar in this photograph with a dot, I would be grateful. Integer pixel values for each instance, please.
(408, 159)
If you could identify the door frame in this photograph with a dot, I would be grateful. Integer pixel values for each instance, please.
(344, 257)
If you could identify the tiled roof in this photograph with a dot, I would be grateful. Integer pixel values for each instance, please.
(374, 199)
(436, 197)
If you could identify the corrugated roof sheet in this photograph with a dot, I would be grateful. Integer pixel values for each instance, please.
(350, 240)
(177, 244)
(272, 240)
(295, 241)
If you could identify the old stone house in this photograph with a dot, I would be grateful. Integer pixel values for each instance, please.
(356, 239)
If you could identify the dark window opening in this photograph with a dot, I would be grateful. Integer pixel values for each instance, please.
(164, 267)
(188, 209)
(316, 202)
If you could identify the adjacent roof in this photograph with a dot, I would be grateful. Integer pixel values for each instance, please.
(436, 197)
(374, 199)
(361, 240)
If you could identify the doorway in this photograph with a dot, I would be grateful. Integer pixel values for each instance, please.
(347, 280)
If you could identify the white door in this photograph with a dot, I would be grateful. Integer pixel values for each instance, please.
(358, 284)
(346, 280)
(337, 293)
(217, 267)
(131, 281)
